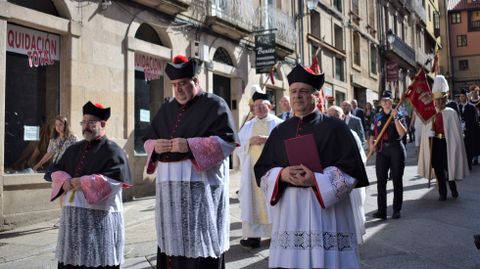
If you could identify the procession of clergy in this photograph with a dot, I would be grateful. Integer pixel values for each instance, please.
(302, 176)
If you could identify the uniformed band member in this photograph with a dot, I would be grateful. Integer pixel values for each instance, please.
(469, 122)
(391, 156)
(449, 160)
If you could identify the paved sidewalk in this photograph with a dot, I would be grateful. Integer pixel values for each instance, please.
(430, 234)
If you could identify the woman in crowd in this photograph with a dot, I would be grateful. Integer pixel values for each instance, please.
(60, 140)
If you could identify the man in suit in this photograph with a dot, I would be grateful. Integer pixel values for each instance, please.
(286, 108)
(469, 121)
(357, 111)
(353, 122)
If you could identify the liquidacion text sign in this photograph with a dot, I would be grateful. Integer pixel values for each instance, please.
(41, 48)
(150, 66)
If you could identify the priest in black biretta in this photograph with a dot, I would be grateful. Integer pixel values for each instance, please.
(189, 141)
(95, 165)
(182, 67)
(260, 96)
(276, 173)
(96, 110)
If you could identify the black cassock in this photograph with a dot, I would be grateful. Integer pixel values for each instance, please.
(204, 116)
(335, 144)
(100, 156)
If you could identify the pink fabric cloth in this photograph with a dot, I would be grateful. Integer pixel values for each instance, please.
(58, 178)
(206, 151)
(95, 188)
(150, 166)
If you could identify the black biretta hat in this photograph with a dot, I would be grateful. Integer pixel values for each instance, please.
(262, 96)
(464, 91)
(96, 110)
(386, 95)
(182, 67)
(305, 75)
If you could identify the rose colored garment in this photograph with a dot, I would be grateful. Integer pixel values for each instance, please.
(58, 178)
(151, 166)
(206, 151)
(95, 188)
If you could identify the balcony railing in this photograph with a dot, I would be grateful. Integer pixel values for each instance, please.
(272, 18)
(238, 13)
(402, 50)
(168, 6)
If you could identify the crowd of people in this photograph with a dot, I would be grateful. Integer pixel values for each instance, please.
(303, 174)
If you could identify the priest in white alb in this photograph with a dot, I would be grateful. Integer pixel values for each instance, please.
(255, 218)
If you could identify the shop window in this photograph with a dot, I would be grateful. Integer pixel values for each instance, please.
(148, 99)
(32, 92)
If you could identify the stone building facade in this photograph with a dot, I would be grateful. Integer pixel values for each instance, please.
(56, 55)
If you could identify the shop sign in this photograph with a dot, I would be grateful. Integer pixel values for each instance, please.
(392, 71)
(42, 48)
(150, 66)
(265, 55)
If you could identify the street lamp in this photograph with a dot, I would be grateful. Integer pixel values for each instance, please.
(312, 4)
(390, 36)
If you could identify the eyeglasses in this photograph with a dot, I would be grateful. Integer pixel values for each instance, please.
(89, 122)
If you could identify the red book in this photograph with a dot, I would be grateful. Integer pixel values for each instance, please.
(303, 150)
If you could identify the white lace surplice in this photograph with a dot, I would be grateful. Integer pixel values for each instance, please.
(304, 234)
(92, 235)
(192, 212)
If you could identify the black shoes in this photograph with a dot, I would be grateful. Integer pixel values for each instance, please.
(378, 215)
(442, 198)
(477, 240)
(250, 243)
(396, 215)
(455, 194)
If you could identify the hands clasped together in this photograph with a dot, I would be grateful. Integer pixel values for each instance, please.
(171, 145)
(258, 140)
(72, 184)
(298, 175)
